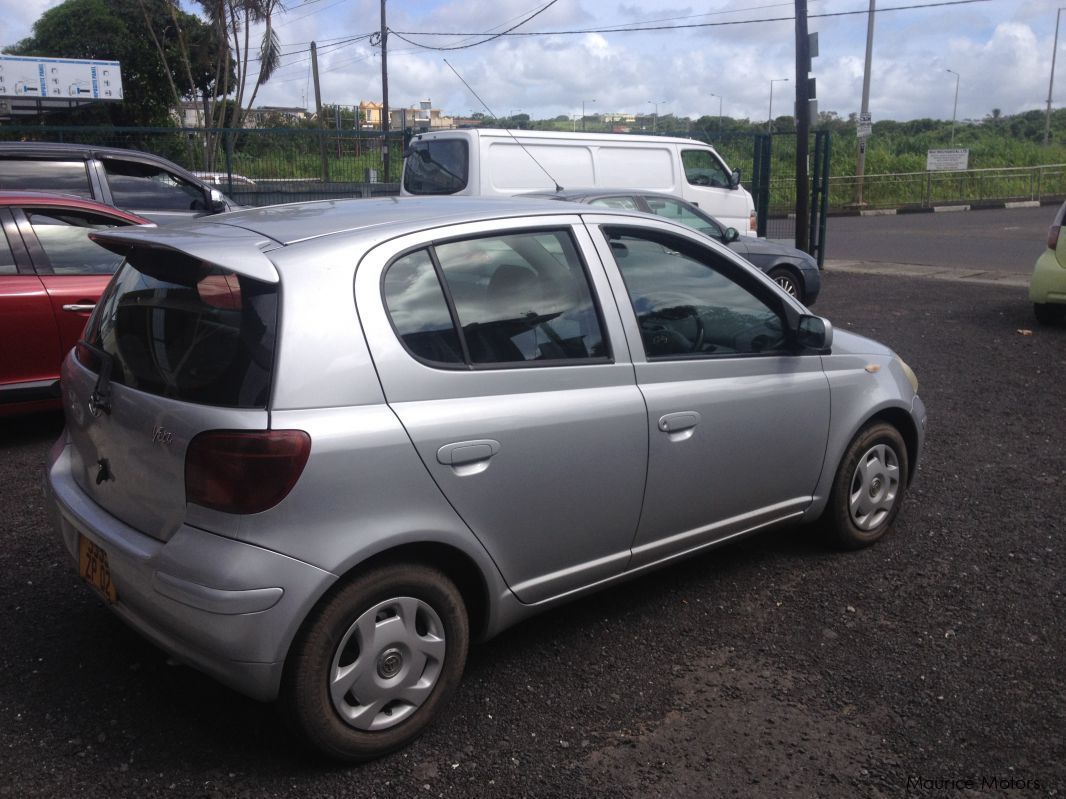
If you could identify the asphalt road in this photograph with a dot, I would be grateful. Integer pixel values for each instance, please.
(775, 667)
(1009, 239)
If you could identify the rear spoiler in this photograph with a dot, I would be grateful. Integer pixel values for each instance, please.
(232, 248)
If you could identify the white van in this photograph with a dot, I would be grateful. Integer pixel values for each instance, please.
(496, 162)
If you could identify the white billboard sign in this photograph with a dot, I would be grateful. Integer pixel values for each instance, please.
(29, 77)
(943, 160)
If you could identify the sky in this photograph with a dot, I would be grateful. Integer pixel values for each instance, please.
(1000, 49)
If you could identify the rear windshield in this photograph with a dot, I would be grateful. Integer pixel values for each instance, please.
(436, 166)
(185, 329)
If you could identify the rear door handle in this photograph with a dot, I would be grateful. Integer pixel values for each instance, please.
(78, 308)
(468, 457)
(679, 426)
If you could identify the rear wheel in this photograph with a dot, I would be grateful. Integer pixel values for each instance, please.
(376, 661)
(869, 486)
(786, 279)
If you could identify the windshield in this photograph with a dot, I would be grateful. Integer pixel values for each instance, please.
(436, 166)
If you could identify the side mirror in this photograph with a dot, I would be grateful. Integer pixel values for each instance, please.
(730, 235)
(734, 179)
(814, 333)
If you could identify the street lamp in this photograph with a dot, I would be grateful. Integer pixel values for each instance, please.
(511, 114)
(955, 109)
(583, 112)
(719, 110)
(770, 117)
(655, 119)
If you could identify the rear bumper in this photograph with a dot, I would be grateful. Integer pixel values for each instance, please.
(228, 608)
(1048, 283)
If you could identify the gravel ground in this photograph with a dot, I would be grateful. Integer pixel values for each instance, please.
(931, 664)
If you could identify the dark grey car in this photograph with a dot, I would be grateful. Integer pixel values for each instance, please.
(793, 270)
(135, 181)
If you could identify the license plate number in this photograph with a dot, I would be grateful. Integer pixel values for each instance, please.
(94, 568)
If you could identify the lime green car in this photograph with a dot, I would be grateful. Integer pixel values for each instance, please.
(1047, 289)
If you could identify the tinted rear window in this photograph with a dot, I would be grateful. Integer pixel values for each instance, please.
(64, 177)
(188, 330)
(436, 166)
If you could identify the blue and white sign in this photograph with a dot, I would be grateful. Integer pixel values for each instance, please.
(27, 77)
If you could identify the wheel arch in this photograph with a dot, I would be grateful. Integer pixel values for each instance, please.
(904, 423)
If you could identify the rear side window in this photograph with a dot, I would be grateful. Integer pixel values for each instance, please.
(63, 177)
(146, 187)
(505, 300)
(187, 330)
(437, 166)
(64, 237)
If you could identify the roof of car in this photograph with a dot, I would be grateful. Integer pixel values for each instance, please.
(24, 198)
(238, 240)
(44, 149)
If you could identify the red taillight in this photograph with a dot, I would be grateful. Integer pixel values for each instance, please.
(238, 471)
(1053, 236)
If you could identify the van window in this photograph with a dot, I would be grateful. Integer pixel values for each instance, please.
(703, 169)
(185, 329)
(62, 177)
(437, 166)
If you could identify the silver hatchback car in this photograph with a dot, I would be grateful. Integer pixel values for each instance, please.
(315, 449)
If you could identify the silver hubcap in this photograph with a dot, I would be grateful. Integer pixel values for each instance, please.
(874, 487)
(387, 663)
(787, 284)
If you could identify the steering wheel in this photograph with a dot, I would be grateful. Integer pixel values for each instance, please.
(701, 180)
(659, 335)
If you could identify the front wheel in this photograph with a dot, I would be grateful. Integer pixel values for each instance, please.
(869, 486)
(786, 279)
(375, 662)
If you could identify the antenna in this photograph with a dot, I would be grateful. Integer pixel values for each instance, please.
(508, 130)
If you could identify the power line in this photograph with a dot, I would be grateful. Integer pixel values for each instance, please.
(541, 10)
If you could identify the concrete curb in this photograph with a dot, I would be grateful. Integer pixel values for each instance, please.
(987, 277)
(940, 209)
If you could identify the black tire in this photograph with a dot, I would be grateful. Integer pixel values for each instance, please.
(406, 607)
(786, 279)
(1047, 313)
(865, 499)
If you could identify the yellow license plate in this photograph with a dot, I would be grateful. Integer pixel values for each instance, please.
(94, 568)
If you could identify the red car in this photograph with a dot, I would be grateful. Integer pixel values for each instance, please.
(51, 276)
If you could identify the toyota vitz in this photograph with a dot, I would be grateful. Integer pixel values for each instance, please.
(315, 449)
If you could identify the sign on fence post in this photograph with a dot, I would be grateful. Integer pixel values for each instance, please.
(943, 160)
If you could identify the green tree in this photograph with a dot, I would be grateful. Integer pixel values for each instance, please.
(146, 37)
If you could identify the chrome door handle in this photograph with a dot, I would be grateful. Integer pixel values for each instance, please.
(77, 308)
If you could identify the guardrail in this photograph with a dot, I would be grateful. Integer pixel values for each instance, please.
(928, 189)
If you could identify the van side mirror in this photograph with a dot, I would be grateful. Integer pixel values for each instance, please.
(814, 333)
(734, 179)
(730, 235)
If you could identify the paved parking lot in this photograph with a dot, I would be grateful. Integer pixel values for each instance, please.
(772, 668)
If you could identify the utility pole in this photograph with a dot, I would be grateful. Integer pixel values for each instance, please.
(864, 111)
(318, 113)
(1051, 81)
(384, 98)
(803, 127)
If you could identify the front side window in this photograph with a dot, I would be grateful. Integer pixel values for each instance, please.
(703, 169)
(685, 304)
(436, 166)
(7, 258)
(188, 330)
(507, 300)
(64, 237)
(63, 177)
(147, 187)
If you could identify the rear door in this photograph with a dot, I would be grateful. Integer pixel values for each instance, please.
(515, 386)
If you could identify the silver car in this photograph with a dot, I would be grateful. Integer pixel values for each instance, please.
(315, 449)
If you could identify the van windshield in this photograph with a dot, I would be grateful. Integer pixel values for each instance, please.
(436, 166)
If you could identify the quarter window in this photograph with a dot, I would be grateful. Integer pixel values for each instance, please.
(685, 304)
(509, 300)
